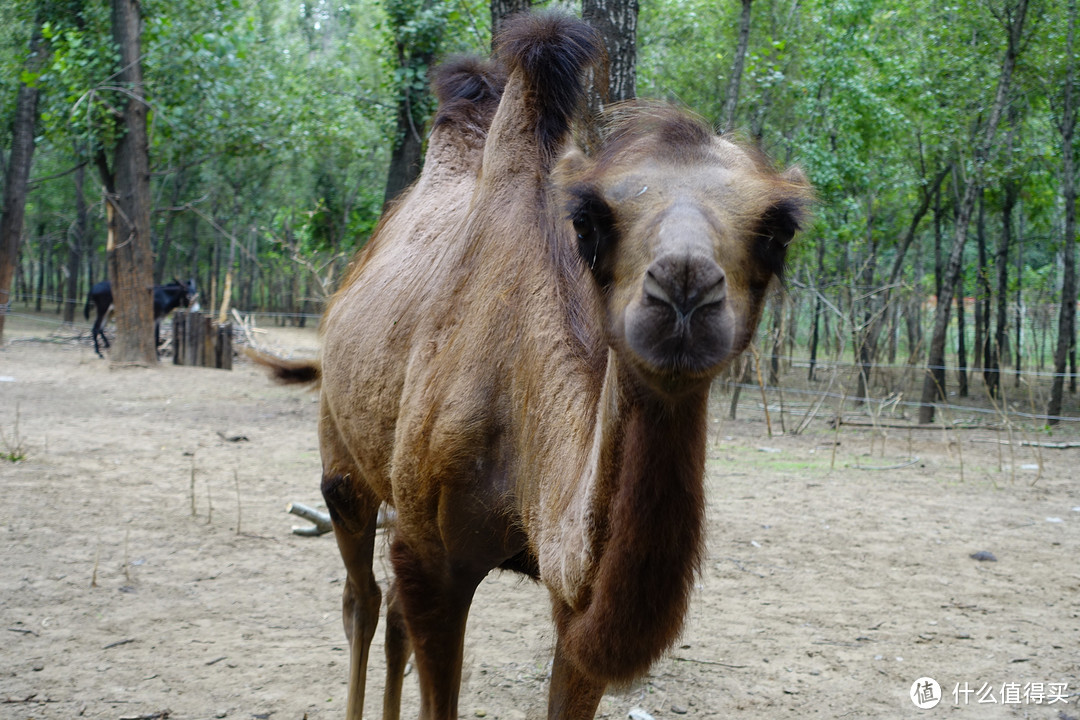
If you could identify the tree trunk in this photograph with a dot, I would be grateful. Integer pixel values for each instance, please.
(39, 284)
(408, 151)
(76, 247)
(616, 21)
(867, 346)
(161, 258)
(731, 98)
(914, 328)
(1072, 359)
(934, 381)
(129, 252)
(414, 96)
(981, 350)
(894, 331)
(817, 312)
(17, 176)
(1018, 353)
(1067, 316)
(777, 339)
(961, 339)
(502, 9)
(215, 268)
(1001, 266)
(939, 267)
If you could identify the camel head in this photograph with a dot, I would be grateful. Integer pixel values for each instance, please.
(683, 231)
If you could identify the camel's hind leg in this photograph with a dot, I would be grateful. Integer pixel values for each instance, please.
(398, 650)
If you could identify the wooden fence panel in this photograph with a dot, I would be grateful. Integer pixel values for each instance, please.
(199, 341)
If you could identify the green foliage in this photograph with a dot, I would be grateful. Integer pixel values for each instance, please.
(272, 122)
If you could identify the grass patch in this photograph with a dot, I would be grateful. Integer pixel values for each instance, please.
(15, 446)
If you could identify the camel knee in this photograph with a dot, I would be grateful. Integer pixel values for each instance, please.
(350, 511)
(360, 607)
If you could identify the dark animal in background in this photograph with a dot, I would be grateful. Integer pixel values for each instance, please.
(166, 299)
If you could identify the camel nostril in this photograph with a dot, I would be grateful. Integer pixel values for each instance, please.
(685, 283)
(653, 288)
(714, 292)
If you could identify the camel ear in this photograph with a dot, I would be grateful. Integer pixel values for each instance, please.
(570, 167)
(795, 176)
(788, 213)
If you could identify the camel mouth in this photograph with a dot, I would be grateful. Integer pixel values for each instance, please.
(677, 344)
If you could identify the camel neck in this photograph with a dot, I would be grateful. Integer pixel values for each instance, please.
(637, 512)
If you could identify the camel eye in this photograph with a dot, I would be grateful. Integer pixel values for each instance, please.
(583, 226)
(594, 226)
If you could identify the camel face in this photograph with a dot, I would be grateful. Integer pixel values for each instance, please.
(684, 238)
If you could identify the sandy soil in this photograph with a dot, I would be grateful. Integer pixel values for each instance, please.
(831, 584)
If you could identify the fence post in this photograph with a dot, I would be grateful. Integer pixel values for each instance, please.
(200, 342)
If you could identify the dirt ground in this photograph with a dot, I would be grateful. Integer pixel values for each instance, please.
(147, 564)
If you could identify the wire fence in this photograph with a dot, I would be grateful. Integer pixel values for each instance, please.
(891, 388)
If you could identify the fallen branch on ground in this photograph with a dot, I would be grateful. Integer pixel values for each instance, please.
(29, 699)
(321, 520)
(118, 643)
(1032, 443)
(908, 463)
(159, 715)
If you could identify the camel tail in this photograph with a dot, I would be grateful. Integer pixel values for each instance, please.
(288, 372)
(549, 51)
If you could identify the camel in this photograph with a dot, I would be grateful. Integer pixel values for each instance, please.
(519, 362)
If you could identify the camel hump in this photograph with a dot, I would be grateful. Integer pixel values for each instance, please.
(468, 89)
(549, 51)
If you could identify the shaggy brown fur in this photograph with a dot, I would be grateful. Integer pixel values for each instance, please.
(520, 360)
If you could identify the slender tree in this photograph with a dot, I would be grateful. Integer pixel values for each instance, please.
(933, 389)
(731, 97)
(1067, 315)
(1001, 267)
(128, 249)
(418, 27)
(814, 336)
(17, 174)
(961, 337)
(616, 21)
(981, 350)
(76, 245)
(875, 320)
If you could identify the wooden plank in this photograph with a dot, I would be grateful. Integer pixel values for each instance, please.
(226, 347)
(208, 338)
(178, 324)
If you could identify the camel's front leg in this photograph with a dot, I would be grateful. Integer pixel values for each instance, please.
(353, 512)
(435, 600)
(573, 695)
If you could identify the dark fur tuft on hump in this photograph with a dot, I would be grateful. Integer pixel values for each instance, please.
(550, 49)
(468, 89)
